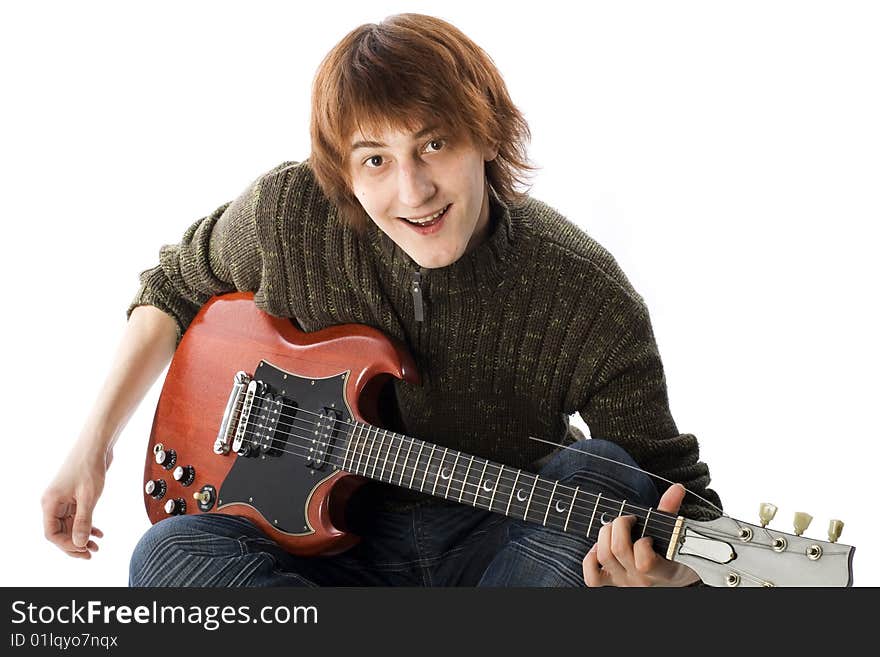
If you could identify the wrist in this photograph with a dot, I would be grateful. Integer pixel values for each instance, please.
(95, 439)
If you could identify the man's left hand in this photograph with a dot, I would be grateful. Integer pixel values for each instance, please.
(615, 560)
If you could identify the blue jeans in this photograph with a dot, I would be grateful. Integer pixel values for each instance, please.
(431, 544)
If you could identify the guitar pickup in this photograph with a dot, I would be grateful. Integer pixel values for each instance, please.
(265, 421)
(326, 425)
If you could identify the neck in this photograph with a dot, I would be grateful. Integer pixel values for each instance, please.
(417, 465)
(484, 223)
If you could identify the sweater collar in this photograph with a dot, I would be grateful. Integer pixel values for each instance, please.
(485, 267)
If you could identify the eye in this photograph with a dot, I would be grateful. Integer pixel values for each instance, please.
(435, 145)
(374, 161)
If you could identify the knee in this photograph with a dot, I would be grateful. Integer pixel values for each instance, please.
(606, 465)
(185, 534)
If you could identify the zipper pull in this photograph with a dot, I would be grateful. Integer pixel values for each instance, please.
(417, 296)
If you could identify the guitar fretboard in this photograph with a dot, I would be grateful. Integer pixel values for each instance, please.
(428, 468)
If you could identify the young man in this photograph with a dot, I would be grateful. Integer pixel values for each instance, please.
(406, 217)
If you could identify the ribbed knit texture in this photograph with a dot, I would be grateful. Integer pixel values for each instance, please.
(535, 324)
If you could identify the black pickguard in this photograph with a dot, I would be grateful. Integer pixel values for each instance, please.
(279, 473)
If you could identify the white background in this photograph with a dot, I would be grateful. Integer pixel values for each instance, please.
(725, 153)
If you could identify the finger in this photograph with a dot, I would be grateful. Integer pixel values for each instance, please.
(621, 542)
(79, 554)
(606, 557)
(82, 523)
(645, 557)
(54, 511)
(592, 571)
(97, 532)
(672, 499)
(56, 523)
(653, 566)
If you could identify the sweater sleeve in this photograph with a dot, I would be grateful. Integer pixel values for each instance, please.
(218, 253)
(626, 402)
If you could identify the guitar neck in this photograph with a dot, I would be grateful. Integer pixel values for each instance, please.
(442, 472)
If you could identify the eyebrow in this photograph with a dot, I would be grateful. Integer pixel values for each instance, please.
(424, 132)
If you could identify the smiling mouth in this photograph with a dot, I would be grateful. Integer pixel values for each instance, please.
(428, 220)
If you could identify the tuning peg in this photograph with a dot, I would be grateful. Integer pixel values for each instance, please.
(766, 513)
(801, 522)
(834, 529)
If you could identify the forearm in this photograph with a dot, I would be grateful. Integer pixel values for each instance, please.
(146, 348)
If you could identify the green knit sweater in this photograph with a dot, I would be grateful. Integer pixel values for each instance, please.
(536, 323)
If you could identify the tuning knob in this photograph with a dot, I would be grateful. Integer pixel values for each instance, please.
(801, 522)
(185, 474)
(766, 513)
(834, 529)
(166, 459)
(155, 488)
(175, 507)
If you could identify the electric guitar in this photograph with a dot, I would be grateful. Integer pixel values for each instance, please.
(259, 419)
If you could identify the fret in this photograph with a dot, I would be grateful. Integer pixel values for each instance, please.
(363, 447)
(397, 456)
(439, 471)
(565, 527)
(416, 465)
(378, 454)
(593, 517)
(495, 487)
(480, 483)
(348, 447)
(622, 504)
(452, 476)
(464, 483)
(512, 489)
(531, 492)
(647, 518)
(422, 487)
(387, 454)
(552, 493)
(504, 488)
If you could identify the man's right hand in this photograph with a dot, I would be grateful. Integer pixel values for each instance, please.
(69, 501)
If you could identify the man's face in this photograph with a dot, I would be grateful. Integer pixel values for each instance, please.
(426, 190)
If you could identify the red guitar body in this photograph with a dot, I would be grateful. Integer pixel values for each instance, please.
(303, 506)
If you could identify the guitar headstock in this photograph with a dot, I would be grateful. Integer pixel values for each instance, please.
(730, 552)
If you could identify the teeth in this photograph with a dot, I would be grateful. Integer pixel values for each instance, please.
(424, 220)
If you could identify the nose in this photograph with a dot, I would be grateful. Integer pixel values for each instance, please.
(414, 184)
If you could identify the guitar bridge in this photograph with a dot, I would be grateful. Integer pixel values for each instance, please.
(232, 413)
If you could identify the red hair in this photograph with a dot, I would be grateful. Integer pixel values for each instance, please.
(407, 72)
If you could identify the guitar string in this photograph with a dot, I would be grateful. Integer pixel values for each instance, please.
(656, 517)
(356, 424)
(374, 461)
(605, 507)
(605, 504)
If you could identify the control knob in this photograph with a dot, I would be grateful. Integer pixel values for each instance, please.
(155, 488)
(175, 507)
(185, 474)
(166, 459)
